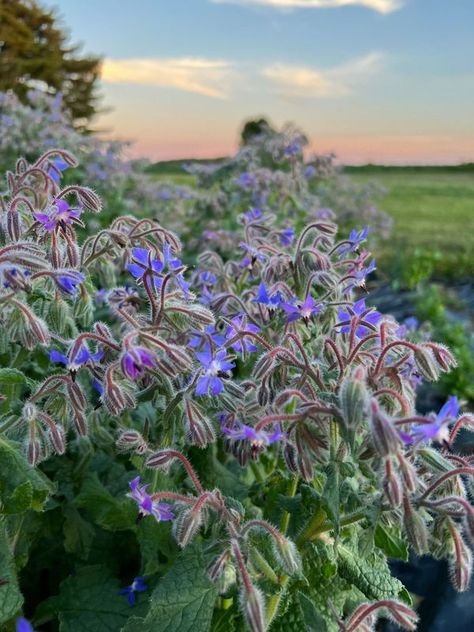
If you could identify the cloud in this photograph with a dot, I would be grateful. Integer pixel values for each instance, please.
(382, 6)
(303, 82)
(208, 77)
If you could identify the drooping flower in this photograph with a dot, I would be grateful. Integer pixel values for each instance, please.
(252, 215)
(69, 281)
(135, 360)
(356, 237)
(58, 165)
(258, 438)
(438, 429)
(246, 180)
(138, 585)
(306, 310)
(215, 367)
(253, 255)
(146, 505)
(240, 325)
(173, 264)
(309, 172)
(287, 236)
(372, 317)
(58, 214)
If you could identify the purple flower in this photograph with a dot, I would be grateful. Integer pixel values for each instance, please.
(69, 281)
(81, 358)
(438, 429)
(287, 236)
(135, 360)
(263, 297)
(306, 310)
(357, 238)
(293, 149)
(146, 505)
(138, 585)
(97, 386)
(58, 214)
(246, 180)
(357, 309)
(241, 326)
(361, 275)
(144, 262)
(309, 172)
(55, 170)
(253, 255)
(173, 264)
(252, 215)
(215, 367)
(258, 438)
(409, 324)
(210, 334)
(23, 625)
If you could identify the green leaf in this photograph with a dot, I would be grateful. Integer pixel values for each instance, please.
(109, 512)
(78, 533)
(11, 598)
(183, 600)
(370, 575)
(11, 383)
(313, 620)
(331, 494)
(22, 487)
(391, 543)
(89, 602)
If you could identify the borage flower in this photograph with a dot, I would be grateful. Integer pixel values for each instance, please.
(138, 585)
(241, 326)
(438, 429)
(215, 368)
(68, 281)
(58, 214)
(142, 263)
(257, 438)
(358, 309)
(146, 505)
(203, 338)
(58, 165)
(263, 297)
(81, 358)
(253, 255)
(306, 310)
(287, 236)
(135, 360)
(356, 238)
(23, 625)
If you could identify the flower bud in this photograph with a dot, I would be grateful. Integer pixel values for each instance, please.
(415, 528)
(186, 526)
(160, 460)
(408, 472)
(287, 555)
(89, 199)
(354, 402)
(426, 363)
(460, 565)
(131, 440)
(291, 457)
(199, 430)
(253, 607)
(58, 439)
(385, 437)
(392, 486)
(83, 309)
(80, 422)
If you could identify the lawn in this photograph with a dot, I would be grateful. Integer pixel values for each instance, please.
(433, 213)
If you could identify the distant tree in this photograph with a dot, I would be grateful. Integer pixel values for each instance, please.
(254, 128)
(34, 52)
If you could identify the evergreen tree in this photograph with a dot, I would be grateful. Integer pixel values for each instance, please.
(34, 52)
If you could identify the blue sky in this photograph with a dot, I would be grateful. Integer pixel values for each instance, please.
(372, 80)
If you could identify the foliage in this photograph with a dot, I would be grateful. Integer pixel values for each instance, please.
(254, 415)
(34, 49)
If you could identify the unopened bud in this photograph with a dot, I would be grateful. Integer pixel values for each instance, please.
(392, 486)
(253, 607)
(186, 526)
(408, 472)
(160, 460)
(131, 440)
(426, 363)
(291, 457)
(199, 429)
(354, 402)
(415, 528)
(222, 572)
(287, 555)
(83, 309)
(460, 565)
(89, 199)
(384, 435)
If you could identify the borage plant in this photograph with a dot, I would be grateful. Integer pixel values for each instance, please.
(253, 412)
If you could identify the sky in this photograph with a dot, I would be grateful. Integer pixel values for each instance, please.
(384, 81)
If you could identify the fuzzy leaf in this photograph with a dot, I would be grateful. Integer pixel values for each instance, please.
(313, 620)
(109, 512)
(89, 602)
(391, 543)
(183, 600)
(11, 598)
(21, 486)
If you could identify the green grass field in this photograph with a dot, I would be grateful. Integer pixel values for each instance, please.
(433, 213)
(432, 209)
